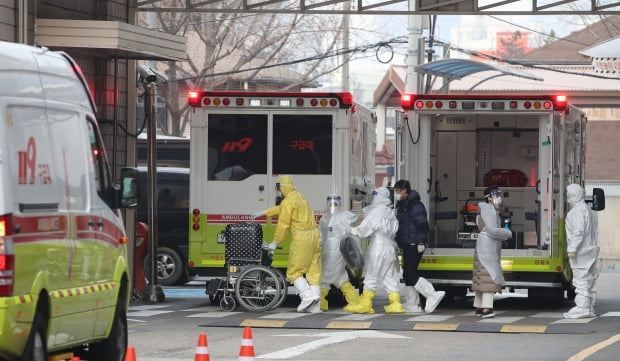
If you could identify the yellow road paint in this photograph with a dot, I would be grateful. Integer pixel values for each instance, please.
(523, 329)
(435, 326)
(584, 354)
(263, 323)
(349, 324)
(60, 356)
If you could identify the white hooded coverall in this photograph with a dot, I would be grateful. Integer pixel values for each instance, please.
(333, 228)
(582, 240)
(381, 261)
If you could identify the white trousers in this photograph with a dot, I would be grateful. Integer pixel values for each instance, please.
(483, 299)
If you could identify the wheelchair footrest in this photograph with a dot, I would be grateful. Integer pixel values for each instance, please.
(214, 285)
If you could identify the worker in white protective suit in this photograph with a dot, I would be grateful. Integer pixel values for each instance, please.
(487, 276)
(334, 226)
(304, 257)
(582, 247)
(381, 261)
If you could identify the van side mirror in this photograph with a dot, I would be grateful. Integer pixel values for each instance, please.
(129, 188)
(598, 199)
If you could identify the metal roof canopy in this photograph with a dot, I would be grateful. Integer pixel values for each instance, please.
(608, 48)
(454, 69)
(384, 7)
(111, 39)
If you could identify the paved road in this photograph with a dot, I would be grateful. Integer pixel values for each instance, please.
(514, 314)
(168, 331)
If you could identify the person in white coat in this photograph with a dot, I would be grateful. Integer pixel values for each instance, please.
(582, 247)
(381, 260)
(334, 226)
(487, 276)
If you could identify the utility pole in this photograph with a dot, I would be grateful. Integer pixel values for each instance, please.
(413, 85)
(153, 292)
(346, 20)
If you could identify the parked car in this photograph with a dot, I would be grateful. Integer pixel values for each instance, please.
(172, 222)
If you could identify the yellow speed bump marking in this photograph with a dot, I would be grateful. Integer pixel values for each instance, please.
(263, 323)
(422, 326)
(349, 324)
(60, 356)
(523, 329)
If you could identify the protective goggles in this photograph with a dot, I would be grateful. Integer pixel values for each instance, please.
(333, 198)
(495, 193)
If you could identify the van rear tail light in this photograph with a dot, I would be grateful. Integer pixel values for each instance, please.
(7, 258)
(7, 264)
(6, 226)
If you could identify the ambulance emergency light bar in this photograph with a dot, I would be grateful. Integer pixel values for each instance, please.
(486, 102)
(237, 99)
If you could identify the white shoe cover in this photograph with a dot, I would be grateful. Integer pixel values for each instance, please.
(309, 295)
(433, 301)
(316, 308)
(578, 312)
(412, 305)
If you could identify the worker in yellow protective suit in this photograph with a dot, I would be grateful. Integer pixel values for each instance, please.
(304, 257)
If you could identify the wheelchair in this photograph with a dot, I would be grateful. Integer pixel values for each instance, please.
(250, 280)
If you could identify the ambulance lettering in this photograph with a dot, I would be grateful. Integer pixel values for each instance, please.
(239, 146)
(302, 144)
(49, 224)
(27, 166)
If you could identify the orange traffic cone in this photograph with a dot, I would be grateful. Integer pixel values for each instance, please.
(75, 358)
(246, 353)
(130, 354)
(202, 350)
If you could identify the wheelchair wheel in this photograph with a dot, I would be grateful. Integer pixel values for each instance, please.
(258, 289)
(284, 287)
(228, 303)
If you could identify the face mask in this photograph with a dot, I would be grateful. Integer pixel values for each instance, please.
(398, 197)
(497, 202)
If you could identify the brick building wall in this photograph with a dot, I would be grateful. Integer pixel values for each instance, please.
(8, 21)
(602, 155)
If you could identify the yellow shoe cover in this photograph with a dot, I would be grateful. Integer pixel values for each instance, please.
(323, 300)
(350, 293)
(364, 305)
(395, 306)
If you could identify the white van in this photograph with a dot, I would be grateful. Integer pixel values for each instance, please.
(64, 279)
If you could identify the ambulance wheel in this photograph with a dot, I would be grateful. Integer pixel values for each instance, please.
(113, 348)
(36, 347)
(170, 267)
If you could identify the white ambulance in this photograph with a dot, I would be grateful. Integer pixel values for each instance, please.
(530, 145)
(242, 142)
(64, 280)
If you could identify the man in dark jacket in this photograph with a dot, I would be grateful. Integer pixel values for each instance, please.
(412, 237)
